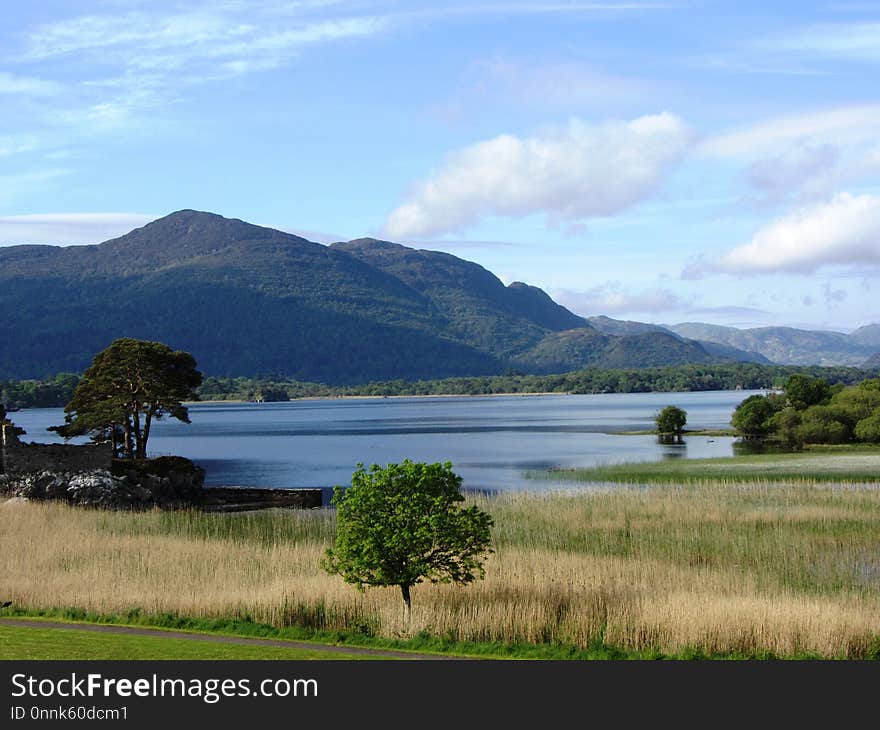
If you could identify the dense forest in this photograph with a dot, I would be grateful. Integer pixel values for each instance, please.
(55, 392)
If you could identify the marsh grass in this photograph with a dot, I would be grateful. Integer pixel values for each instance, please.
(832, 465)
(709, 567)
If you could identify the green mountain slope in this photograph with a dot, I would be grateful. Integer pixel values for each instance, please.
(249, 300)
(717, 350)
(586, 347)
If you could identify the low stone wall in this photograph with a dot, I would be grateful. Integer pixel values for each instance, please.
(19, 458)
(26, 458)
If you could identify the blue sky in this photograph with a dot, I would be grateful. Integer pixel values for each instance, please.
(667, 162)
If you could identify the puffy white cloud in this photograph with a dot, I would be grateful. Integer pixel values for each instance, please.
(571, 174)
(842, 231)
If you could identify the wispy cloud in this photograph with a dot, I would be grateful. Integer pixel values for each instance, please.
(614, 298)
(16, 144)
(839, 126)
(27, 85)
(206, 42)
(806, 155)
(65, 229)
(571, 174)
(547, 84)
(849, 41)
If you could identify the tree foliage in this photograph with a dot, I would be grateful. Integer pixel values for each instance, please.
(813, 412)
(753, 417)
(57, 391)
(671, 420)
(803, 391)
(130, 384)
(402, 524)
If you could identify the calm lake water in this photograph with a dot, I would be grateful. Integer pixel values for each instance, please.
(493, 442)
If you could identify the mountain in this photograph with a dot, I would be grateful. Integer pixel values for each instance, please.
(868, 335)
(717, 350)
(872, 363)
(784, 345)
(586, 347)
(473, 303)
(254, 301)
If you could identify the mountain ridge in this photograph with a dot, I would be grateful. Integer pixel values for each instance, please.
(250, 300)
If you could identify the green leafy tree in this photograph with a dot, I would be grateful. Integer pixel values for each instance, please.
(868, 429)
(671, 420)
(402, 524)
(753, 417)
(129, 385)
(786, 423)
(803, 391)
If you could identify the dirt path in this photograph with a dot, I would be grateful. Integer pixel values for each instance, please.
(217, 638)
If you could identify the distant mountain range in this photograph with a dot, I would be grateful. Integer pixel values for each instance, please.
(254, 301)
(780, 345)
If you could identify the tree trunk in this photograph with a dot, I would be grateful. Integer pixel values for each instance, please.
(407, 603)
(148, 418)
(138, 438)
(128, 448)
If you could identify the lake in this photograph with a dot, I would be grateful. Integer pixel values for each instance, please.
(492, 441)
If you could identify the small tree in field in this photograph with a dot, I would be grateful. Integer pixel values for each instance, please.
(402, 524)
(671, 421)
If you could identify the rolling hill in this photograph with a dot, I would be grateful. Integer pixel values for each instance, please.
(254, 301)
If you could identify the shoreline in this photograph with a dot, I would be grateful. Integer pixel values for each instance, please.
(383, 397)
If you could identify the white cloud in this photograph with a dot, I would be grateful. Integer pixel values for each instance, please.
(64, 229)
(194, 41)
(807, 155)
(843, 126)
(844, 231)
(813, 169)
(612, 298)
(571, 174)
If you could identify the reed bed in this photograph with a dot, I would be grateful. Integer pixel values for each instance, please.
(784, 568)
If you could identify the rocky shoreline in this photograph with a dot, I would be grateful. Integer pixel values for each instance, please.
(162, 482)
(168, 482)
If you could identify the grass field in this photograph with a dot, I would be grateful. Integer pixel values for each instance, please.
(716, 568)
(40, 643)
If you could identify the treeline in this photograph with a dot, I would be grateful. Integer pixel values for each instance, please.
(52, 393)
(729, 376)
(812, 411)
(734, 376)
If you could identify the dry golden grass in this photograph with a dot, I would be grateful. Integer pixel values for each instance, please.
(782, 568)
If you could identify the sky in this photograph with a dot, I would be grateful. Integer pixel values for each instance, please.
(657, 161)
